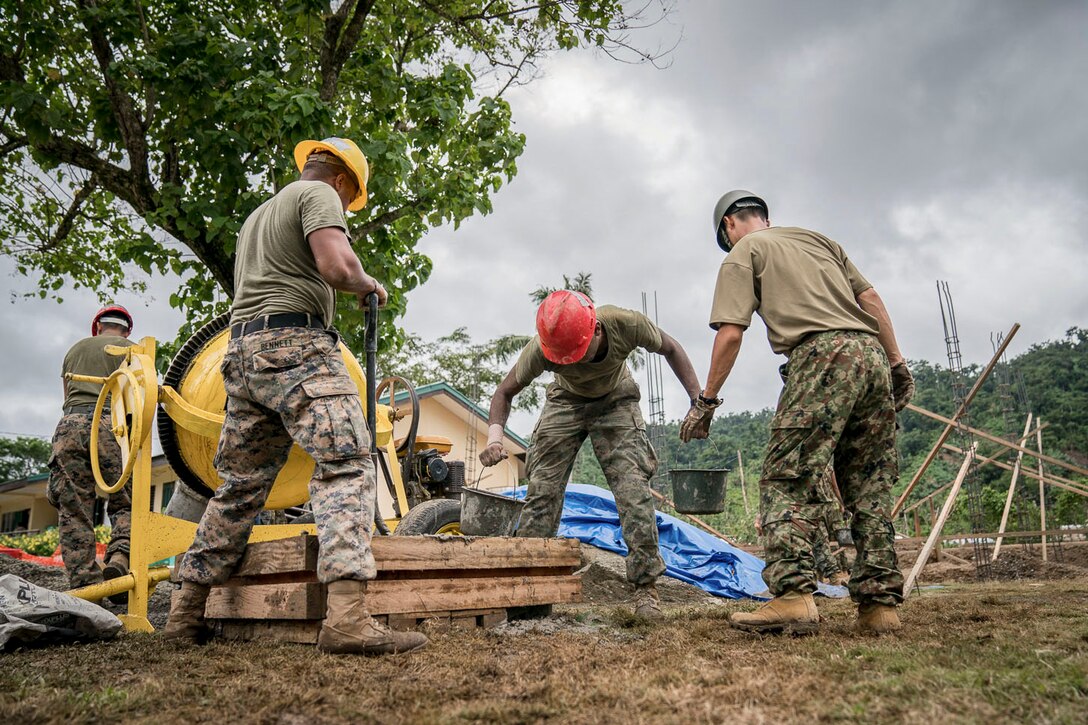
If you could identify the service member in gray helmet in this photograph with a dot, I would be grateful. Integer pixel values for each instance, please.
(845, 378)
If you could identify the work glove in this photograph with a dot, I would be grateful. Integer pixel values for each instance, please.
(697, 422)
(902, 385)
(493, 454)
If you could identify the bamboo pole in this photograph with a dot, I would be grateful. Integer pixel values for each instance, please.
(743, 490)
(1008, 498)
(1004, 441)
(935, 533)
(1042, 490)
(1049, 479)
(694, 519)
(952, 424)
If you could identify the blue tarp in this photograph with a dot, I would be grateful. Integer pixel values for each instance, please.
(691, 555)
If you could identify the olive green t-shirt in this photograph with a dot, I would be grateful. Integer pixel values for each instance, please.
(799, 282)
(624, 330)
(88, 357)
(274, 267)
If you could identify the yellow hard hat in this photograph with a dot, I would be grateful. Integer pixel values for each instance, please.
(345, 150)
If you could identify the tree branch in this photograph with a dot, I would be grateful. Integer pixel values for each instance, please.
(384, 219)
(69, 218)
(338, 47)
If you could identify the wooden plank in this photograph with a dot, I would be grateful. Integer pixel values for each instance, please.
(1012, 489)
(1042, 490)
(934, 535)
(293, 554)
(287, 600)
(399, 596)
(301, 631)
(430, 553)
(1050, 479)
(951, 424)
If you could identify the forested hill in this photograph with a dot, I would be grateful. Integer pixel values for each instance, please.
(1050, 379)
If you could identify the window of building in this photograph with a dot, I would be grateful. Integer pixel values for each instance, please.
(15, 521)
(167, 494)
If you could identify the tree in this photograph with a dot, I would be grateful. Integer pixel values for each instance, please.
(139, 135)
(22, 457)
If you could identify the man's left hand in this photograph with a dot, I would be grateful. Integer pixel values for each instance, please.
(902, 385)
(697, 422)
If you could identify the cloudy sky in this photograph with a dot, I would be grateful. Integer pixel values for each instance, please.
(935, 140)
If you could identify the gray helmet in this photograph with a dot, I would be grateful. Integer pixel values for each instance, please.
(728, 204)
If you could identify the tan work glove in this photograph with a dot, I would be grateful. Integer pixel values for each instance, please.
(697, 422)
(493, 454)
(902, 385)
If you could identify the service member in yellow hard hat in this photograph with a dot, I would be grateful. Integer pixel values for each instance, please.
(844, 380)
(286, 382)
(595, 397)
(71, 487)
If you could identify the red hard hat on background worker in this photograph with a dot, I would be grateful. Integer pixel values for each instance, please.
(111, 314)
(565, 322)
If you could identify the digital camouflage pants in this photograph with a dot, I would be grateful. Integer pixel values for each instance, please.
(837, 403)
(615, 427)
(71, 489)
(289, 385)
(825, 540)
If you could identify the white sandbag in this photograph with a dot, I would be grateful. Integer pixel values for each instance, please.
(30, 614)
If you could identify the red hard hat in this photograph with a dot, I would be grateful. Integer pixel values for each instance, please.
(112, 314)
(565, 322)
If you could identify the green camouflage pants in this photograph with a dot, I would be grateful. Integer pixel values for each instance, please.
(615, 427)
(284, 385)
(71, 489)
(837, 403)
(825, 536)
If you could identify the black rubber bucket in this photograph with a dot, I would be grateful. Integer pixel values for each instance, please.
(484, 513)
(698, 491)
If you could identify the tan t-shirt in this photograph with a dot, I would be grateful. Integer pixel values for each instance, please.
(799, 282)
(274, 268)
(88, 357)
(624, 330)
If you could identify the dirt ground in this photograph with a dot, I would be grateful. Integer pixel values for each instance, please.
(996, 652)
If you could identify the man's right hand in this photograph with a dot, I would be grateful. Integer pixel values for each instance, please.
(902, 385)
(383, 296)
(697, 422)
(493, 454)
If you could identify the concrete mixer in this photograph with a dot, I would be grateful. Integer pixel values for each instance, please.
(418, 489)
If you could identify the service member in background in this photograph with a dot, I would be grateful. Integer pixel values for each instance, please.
(71, 487)
(844, 381)
(286, 382)
(593, 396)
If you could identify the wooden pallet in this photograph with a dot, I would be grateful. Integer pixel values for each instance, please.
(442, 582)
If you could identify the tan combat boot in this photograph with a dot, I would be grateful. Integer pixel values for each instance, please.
(793, 613)
(349, 628)
(115, 568)
(186, 621)
(647, 602)
(877, 619)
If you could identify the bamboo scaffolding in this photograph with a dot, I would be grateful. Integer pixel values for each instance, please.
(951, 425)
(1008, 498)
(743, 490)
(1042, 490)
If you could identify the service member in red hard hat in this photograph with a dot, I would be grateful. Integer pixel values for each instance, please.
(71, 487)
(845, 378)
(593, 395)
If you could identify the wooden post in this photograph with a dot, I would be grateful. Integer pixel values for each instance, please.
(935, 534)
(743, 490)
(952, 424)
(1012, 489)
(917, 524)
(1042, 490)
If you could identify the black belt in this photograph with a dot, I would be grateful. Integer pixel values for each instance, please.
(281, 319)
(81, 409)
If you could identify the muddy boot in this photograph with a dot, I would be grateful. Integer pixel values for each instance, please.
(349, 628)
(186, 622)
(877, 619)
(792, 613)
(647, 603)
(117, 567)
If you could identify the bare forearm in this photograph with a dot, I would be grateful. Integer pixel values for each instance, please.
(871, 302)
(722, 357)
(678, 360)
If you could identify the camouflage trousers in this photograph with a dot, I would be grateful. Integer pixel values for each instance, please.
(289, 385)
(836, 404)
(71, 489)
(825, 539)
(615, 427)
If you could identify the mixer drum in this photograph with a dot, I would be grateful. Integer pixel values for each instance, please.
(194, 374)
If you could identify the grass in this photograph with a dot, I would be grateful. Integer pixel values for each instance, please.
(969, 653)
